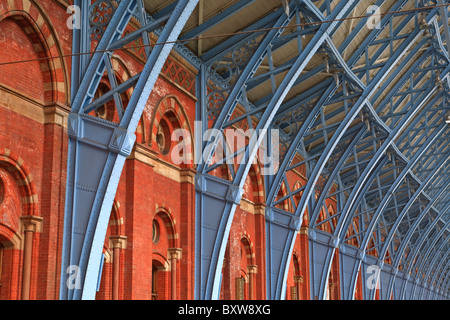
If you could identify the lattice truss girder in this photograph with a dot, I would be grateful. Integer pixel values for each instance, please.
(396, 114)
(98, 147)
(366, 121)
(264, 54)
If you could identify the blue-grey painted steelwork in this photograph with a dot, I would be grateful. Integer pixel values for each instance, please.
(98, 148)
(387, 168)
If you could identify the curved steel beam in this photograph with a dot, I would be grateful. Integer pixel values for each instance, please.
(278, 259)
(433, 279)
(424, 255)
(331, 89)
(412, 255)
(405, 211)
(75, 222)
(425, 289)
(413, 228)
(367, 93)
(349, 207)
(384, 202)
(216, 199)
(441, 281)
(91, 185)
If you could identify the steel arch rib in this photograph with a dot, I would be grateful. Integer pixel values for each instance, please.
(441, 280)
(385, 200)
(91, 186)
(416, 251)
(367, 93)
(403, 244)
(232, 98)
(389, 141)
(355, 192)
(75, 222)
(388, 196)
(429, 268)
(278, 292)
(212, 228)
(330, 146)
(424, 256)
(438, 267)
(277, 181)
(429, 206)
(404, 212)
(416, 223)
(414, 254)
(235, 188)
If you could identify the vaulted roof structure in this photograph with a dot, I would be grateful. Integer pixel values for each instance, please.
(355, 91)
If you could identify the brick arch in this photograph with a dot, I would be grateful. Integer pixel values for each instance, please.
(282, 192)
(170, 105)
(117, 219)
(21, 173)
(9, 238)
(162, 262)
(296, 262)
(160, 283)
(11, 205)
(165, 213)
(38, 27)
(298, 195)
(115, 225)
(248, 247)
(122, 71)
(257, 182)
(297, 185)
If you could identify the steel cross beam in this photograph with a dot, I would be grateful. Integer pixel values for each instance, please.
(215, 225)
(98, 148)
(311, 182)
(384, 202)
(365, 175)
(281, 227)
(429, 267)
(216, 199)
(433, 277)
(413, 255)
(405, 210)
(441, 280)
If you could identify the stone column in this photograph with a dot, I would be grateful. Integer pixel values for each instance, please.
(251, 270)
(31, 224)
(174, 255)
(298, 280)
(117, 243)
